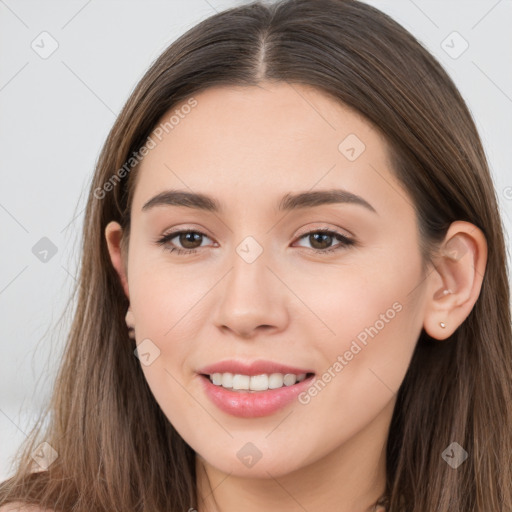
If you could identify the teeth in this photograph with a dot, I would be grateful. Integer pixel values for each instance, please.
(226, 379)
(261, 382)
(216, 378)
(275, 380)
(241, 381)
(258, 383)
(289, 379)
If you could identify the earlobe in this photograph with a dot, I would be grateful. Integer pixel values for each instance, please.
(455, 283)
(130, 323)
(114, 236)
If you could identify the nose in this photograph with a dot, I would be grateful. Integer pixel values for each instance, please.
(253, 299)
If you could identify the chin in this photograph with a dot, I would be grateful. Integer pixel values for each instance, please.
(253, 465)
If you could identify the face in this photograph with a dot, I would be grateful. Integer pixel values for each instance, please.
(326, 285)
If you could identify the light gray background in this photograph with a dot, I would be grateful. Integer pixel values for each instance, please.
(56, 113)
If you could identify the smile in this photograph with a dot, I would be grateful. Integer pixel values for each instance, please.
(248, 403)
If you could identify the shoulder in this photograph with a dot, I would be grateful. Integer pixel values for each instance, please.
(22, 507)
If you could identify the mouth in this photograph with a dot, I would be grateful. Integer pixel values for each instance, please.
(232, 393)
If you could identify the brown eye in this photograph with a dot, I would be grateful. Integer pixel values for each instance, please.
(189, 239)
(321, 240)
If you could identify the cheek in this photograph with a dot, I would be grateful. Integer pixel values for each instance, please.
(170, 302)
(372, 347)
(375, 322)
(363, 367)
(361, 303)
(167, 307)
(164, 294)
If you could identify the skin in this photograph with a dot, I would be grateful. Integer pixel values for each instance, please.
(248, 147)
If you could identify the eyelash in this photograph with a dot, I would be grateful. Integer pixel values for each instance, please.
(345, 242)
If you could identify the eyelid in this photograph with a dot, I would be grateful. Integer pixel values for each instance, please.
(180, 229)
(324, 227)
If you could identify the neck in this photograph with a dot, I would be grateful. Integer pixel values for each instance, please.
(351, 478)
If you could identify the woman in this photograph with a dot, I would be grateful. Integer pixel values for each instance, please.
(293, 291)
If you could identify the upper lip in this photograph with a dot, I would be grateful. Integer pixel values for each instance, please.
(252, 368)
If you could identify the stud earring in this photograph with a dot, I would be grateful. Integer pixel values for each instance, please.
(130, 323)
(442, 324)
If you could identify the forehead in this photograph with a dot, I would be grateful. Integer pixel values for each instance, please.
(275, 138)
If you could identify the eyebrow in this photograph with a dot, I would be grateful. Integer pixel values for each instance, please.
(289, 202)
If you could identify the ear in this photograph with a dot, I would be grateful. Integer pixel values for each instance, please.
(459, 268)
(114, 236)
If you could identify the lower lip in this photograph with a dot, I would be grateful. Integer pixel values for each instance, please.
(254, 404)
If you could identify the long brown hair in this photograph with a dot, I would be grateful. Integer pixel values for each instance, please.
(116, 449)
